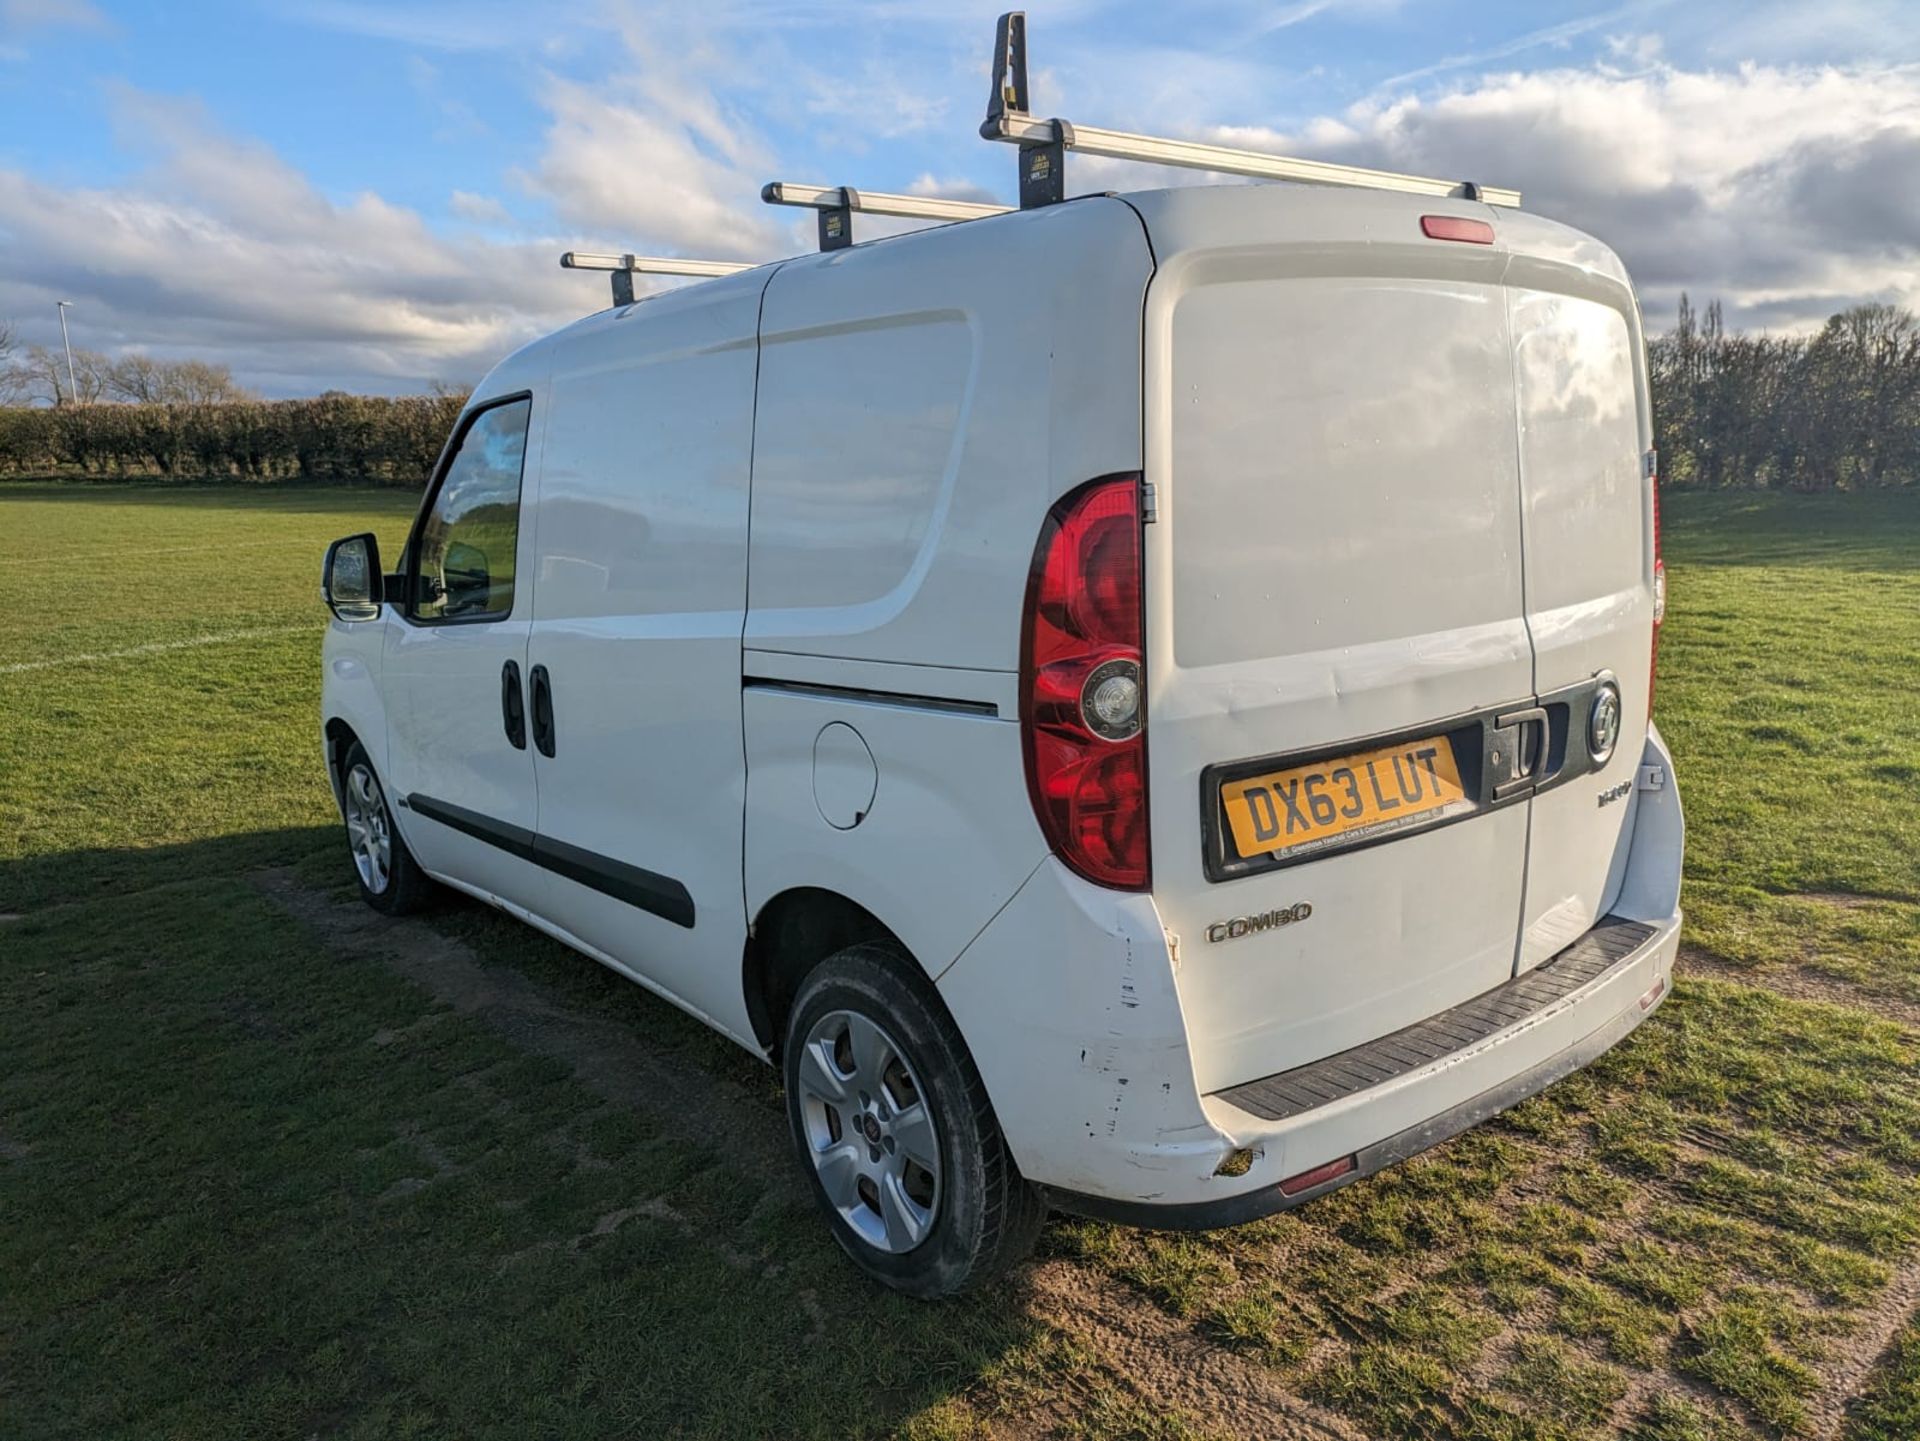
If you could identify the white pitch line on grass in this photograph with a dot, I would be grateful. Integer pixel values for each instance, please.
(162, 550)
(156, 647)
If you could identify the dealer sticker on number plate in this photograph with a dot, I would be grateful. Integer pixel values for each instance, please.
(1344, 798)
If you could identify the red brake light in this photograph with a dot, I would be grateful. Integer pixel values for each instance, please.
(1083, 697)
(1659, 577)
(1456, 227)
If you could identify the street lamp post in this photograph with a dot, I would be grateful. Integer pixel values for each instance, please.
(73, 386)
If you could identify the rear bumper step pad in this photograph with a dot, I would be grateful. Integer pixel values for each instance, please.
(1305, 1088)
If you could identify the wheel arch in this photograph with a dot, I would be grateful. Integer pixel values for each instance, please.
(339, 738)
(793, 932)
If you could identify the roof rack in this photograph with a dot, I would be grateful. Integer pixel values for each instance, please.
(625, 267)
(1044, 143)
(1043, 180)
(836, 204)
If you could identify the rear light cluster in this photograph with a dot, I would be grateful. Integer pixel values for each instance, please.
(1659, 577)
(1083, 698)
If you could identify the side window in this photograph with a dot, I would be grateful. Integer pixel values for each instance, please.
(463, 560)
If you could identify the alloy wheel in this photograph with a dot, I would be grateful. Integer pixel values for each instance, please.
(870, 1134)
(369, 834)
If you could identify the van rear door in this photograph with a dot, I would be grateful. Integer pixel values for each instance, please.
(1584, 436)
(1337, 652)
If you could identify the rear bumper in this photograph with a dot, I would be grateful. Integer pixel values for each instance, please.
(1070, 1005)
(1599, 1014)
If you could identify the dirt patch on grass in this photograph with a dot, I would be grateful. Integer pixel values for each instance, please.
(1843, 900)
(1169, 1365)
(609, 1058)
(1803, 983)
(1857, 1357)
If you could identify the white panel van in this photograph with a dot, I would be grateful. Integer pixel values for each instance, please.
(1140, 705)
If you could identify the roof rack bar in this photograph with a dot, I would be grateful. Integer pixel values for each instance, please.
(625, 267)
(1044, 143)
(836, 204)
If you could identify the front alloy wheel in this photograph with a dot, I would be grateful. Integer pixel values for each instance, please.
(369, 836)
(390, 879)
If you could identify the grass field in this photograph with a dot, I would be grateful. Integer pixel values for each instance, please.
(270, 1166)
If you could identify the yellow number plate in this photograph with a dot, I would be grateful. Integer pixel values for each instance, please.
(1307, 807)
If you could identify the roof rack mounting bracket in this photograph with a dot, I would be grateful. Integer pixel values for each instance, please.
(836, 226)
(1044, 143)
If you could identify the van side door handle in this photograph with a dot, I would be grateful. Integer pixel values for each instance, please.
(542, 712)
(513, 708)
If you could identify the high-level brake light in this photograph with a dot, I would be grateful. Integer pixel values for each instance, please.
(1083, 704)
(1456, 227)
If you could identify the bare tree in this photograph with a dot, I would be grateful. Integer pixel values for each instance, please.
(142, 379)
(40, 374)
(12, 391)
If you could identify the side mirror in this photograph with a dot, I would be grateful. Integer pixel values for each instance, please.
(350, 580)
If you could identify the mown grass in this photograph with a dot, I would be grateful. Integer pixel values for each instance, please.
(1788, 687)
(107, 764)
(255, 1185)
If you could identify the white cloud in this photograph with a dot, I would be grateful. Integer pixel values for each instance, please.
(221, 250)
(1789, 191)
(651, 169)
(653, 156)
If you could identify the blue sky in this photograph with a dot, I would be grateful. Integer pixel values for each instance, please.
(340, 192)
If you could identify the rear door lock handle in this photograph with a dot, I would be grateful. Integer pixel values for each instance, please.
(1529, 731)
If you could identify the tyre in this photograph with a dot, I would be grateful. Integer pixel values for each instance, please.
(895, 1132)
(390, 880)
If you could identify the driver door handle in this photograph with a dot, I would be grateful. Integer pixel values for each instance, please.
(513, 709)
(542, 712)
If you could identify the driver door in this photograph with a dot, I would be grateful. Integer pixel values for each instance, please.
(455, 664)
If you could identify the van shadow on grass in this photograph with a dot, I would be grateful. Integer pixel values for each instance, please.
(37, 882)
(274, 1164)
